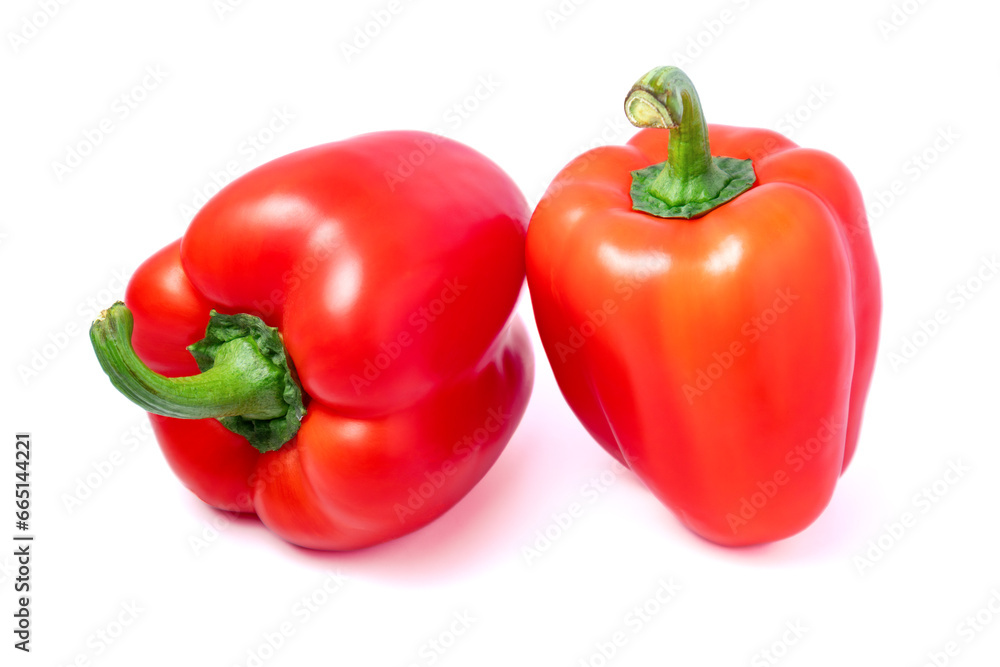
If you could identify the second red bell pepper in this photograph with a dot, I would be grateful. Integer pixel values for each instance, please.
(709, 301)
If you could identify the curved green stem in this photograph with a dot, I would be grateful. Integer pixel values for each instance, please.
(692, 181)
(246, 382)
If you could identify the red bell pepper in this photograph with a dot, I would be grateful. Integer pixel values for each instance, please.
(709, 300)
(368, 370)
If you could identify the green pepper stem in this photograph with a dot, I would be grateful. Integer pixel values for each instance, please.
(691, 182)
(242, 381)
(247, 381)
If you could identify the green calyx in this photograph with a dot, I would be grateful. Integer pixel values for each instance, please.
(247, 381)
(692, 181)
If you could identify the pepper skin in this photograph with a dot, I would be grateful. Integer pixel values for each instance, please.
(726, 357)
(390, 264)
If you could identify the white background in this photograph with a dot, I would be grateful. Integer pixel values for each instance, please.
(878, 97)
